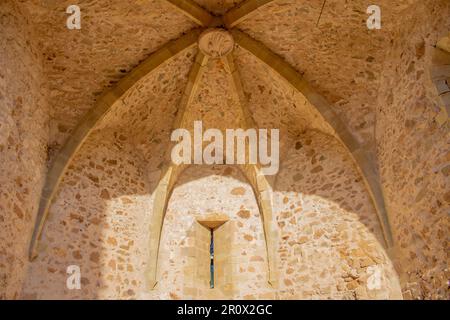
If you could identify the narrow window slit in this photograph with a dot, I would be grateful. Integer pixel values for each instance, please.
(211, 255)
(212, 222)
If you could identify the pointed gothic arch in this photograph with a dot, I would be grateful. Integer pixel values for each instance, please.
(363, 159)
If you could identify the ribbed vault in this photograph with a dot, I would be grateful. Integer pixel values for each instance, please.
(310, 110)
(263, 88)
(85, 129)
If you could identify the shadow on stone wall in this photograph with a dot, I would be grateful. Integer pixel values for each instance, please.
(329, 237)
(97, 222)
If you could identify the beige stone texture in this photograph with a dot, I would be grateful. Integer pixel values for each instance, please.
(24, 115)
(218, 7)
(339, 56)
(105, 234)
(413, 148)
(239, 243)
(358, 210)
(329, 232)
(114, 37)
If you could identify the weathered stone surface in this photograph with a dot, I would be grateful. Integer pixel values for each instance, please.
(388, 86)
(114, 37)
(216, 43)
(413, 152)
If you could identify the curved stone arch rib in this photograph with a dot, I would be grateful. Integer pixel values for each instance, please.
(230, 19)
(88, 122)
(170, 175)
(264, 198)
(160, 202)
(363, 159)
(263, 195)
(258, 181)
(193, 11)
(243, 11)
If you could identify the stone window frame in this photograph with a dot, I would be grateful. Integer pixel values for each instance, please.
(212, 222)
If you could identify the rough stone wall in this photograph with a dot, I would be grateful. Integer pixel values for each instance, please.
(241, 261)
(115, 36)
(329, 237)
(134, 133)
(147, 112)
(213, 102)
(413, 152)
(23, 142)
(337, 53)
(330, 241)
(99, 222)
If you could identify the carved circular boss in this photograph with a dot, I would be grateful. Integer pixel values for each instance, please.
(216, 43)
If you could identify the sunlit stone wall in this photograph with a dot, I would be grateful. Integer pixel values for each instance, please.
(98, 222)
(241, 261)
(413, 146)
(328, 244)
(331, 244)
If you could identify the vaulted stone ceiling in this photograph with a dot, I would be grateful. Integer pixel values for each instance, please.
(94, 58)
(336, 53)
(117, 35)
(371, 78)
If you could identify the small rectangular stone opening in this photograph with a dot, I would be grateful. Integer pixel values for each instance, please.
(212, 222)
